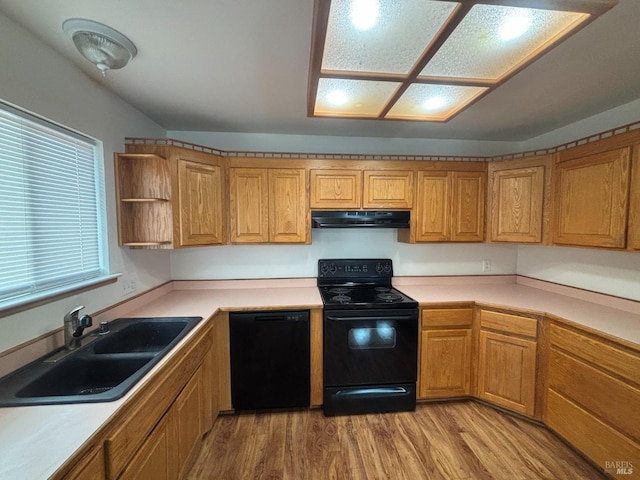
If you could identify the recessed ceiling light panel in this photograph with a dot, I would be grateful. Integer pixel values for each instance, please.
(493, 40)
(433, 102)
(352, 98)
(429, 59)
(391, 44)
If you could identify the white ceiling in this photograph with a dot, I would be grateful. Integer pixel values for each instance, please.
(243, 65)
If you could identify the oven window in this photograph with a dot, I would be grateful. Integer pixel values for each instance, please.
(381, 336)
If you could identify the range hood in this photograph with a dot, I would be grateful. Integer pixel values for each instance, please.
(360, 219)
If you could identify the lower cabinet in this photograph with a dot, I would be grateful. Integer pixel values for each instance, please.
(507, 361)
(91, 467)
(445, 353)
(593, 399)
(170, 448)
(157, 433)
(187, 416)
(155, 458)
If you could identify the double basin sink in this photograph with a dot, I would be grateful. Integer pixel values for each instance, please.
(102, 370)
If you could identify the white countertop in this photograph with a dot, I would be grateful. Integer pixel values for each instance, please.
(36, 440)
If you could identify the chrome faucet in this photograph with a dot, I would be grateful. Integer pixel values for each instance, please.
(74, 327)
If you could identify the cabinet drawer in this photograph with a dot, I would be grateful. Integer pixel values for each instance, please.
(598, 441)
(503, 322)
(599, 353)
(447, 317)
(608, 398)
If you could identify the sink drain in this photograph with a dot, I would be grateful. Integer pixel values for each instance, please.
(94, 391)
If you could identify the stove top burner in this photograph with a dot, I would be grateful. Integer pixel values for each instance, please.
(389, 297)
(341, 298)
(339, 290)
(363, 296)
(382, 289)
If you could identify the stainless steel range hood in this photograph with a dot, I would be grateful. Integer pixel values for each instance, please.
(360, 219)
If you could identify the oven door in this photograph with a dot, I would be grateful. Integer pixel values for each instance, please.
(370, 347)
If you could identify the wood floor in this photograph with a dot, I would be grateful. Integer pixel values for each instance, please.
(448, 441)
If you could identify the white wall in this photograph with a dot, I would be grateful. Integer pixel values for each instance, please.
(36, 78)
(607, 120)
(290, 261)
(614, 273)
(263, 142)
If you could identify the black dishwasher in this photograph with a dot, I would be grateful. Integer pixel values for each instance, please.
(270, 362)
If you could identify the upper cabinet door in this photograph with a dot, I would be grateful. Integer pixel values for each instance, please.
(201, 203)
(433, 208)
(591, 200)
(249, 205)
(468, 206)
(336, 188)
(517, 204)
(289, 219)
(388, 189)
(633, 241)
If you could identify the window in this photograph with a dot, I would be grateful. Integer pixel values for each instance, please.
(52, 212)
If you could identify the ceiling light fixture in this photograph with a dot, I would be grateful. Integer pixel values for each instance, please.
(337, 97)
(364, 13)
(394, 59)
(434, 103)
(515, 26)
(103, 46)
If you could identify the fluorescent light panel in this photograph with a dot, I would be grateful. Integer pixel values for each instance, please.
(426, 59)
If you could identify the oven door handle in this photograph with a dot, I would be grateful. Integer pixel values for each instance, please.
(399, 318)
(377, 391)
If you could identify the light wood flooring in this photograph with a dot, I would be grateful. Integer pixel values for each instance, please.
(448, 441)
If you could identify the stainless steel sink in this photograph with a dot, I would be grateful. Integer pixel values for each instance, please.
(102, 370)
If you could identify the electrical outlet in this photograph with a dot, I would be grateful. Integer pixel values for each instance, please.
(128, 285)
(486, 265)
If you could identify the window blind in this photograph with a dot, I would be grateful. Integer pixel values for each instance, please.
(51, 207)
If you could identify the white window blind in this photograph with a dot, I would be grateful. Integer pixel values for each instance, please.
(51, 208)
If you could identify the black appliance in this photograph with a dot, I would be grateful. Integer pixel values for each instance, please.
(270, 359)
(360, 218)
(370, 340)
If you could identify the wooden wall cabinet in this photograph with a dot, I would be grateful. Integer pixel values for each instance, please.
(202, 208)
(361, 188)
(591, 198)
(387, 189)
(507, 361)
(269, 205)
(633, 235)
(445, 352)
(143, 191)
(449, 207)
(170, 197)
(335, 188)
(519, 200)
(593, 395)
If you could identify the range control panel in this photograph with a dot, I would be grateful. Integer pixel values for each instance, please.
(355, 269)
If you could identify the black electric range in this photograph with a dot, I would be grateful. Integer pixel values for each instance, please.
(370, 340)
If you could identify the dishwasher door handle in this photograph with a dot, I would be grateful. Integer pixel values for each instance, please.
(269, 318)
